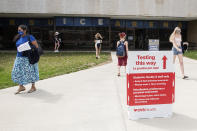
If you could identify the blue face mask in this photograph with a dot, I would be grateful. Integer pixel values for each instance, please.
(20, 32)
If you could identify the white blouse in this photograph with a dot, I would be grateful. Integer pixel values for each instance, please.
(178, 41)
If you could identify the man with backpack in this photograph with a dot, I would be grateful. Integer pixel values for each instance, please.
(122, 51)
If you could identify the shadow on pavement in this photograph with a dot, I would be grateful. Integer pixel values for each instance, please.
(43, 95)
(177, 122)
(192, 78)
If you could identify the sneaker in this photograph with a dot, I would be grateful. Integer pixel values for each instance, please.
(185, 77)
(99, 57)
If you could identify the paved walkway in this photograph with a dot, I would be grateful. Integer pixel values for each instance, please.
(93, 100)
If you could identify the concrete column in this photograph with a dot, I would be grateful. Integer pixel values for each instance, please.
(191, 34)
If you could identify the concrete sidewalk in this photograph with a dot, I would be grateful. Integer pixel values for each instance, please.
(93, 100)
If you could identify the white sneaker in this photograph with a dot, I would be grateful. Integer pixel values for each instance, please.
(99, 57)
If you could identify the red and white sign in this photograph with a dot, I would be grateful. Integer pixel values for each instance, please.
(150, 84)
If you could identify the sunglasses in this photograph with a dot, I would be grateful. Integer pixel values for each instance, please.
(178, 31)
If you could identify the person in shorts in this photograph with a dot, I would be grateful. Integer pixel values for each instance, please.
(176, 39)
(98, 42)
(122, 61)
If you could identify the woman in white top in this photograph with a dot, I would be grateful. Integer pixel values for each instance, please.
(98, 42)
(176, 39)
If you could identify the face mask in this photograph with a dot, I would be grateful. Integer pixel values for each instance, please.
(20, 32)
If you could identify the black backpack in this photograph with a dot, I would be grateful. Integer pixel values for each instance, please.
(32, 54)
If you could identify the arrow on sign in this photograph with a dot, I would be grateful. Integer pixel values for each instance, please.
(164, 62)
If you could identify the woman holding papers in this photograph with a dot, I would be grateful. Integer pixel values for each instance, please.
(23, 72)
(98, 42)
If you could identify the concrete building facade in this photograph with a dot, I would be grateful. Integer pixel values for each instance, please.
(156, 17)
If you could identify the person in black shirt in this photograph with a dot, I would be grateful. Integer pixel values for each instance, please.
(57, 41)
(98, 42)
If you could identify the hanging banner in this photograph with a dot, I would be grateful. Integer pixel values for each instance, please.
(135, 24)
(26, 21)
(64, 21)
(100, 22)
(82, 21)
(93, 21)
(118, 23)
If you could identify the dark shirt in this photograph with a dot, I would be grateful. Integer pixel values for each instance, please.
(57, 39)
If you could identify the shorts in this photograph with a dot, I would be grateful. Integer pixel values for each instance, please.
(122, 61)
(98, 45)
(176, 52)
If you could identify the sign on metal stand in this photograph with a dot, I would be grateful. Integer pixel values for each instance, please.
(153, 45)
(150, 84)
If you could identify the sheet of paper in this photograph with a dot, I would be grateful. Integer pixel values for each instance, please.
(23, 47)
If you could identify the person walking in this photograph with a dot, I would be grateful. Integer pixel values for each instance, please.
(23, 72)
(57, 41)
(122, 51)
(98, 42)
(176, 39)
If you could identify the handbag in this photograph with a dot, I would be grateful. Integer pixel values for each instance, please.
(33, 53)
(184, 47)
